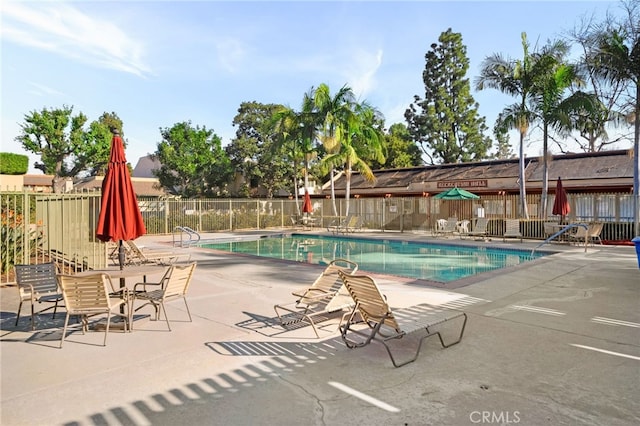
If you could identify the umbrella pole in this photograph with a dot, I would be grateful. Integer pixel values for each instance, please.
(121, 255)
(121, 259)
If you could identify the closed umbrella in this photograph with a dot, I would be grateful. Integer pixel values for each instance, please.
(561, 205)
(120, 218)
(306, 204)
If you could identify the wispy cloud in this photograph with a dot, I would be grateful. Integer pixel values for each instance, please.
(361, 72)
(66, 31)
(42, 90)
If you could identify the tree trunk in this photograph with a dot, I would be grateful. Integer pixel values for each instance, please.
(545, 170)
(524, 212)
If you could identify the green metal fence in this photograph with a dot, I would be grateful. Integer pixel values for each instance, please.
(41, 227)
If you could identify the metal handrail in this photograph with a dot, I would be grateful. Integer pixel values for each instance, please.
(560, 232)
(185, 230)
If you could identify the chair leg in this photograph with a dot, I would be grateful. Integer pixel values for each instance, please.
(33, 317)
(64, 330)
(106, 330)
(18, 315)
(164, 310)
(187, 306)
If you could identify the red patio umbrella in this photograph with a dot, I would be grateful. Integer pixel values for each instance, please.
(120, 218)
(561, 204)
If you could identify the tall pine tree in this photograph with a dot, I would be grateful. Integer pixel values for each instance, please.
(445, 123)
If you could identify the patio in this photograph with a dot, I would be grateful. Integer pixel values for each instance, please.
(553, 342)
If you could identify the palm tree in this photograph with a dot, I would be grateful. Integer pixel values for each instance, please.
(360, 138)
(515, 78)
(333, 112)
(550, 106)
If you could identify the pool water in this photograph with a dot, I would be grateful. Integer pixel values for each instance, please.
(435, 262)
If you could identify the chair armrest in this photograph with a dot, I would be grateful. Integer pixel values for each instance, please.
(144, 286)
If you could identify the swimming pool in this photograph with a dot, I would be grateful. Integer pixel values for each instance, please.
(434, 262)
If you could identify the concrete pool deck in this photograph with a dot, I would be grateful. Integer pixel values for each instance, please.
(554, 342)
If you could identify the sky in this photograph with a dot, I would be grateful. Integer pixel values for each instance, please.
(158, 63)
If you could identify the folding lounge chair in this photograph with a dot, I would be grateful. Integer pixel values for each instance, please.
(326, 295)
(590, 233)
(339, 226)
(512, 229)
(354, 224)
(371, 308)
(138, 256)
(479, 230)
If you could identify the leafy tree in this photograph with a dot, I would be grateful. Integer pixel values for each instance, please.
(52, 134)
(592, 125)
(255, 152)
(401, 150)
(501, 134)
(446, 123)
(618, 61)
(65, 147)
(94, 151)
(193, 163)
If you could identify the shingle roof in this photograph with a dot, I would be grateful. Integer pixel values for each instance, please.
(600, 166)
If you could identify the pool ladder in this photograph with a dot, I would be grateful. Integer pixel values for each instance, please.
(194, 237)
(560, 232)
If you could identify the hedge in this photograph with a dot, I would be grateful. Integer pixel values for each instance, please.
(13, 164)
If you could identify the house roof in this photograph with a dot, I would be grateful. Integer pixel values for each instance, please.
(145, 166)
(142, 186)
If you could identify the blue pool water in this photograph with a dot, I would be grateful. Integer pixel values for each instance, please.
(435, 262)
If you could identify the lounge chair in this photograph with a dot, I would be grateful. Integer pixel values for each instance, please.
(38, 283)
(353, 225)
(173, 285)
(479, 230)
(326, 295)
(511, 229)
(137, 256)
(589, 234)
(90, 295)
(450, 227)
(338, 225)
(372, 310)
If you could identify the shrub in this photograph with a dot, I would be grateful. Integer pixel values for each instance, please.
(13, 164)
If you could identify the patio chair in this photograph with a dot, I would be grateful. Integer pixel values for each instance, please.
(511, 229)
(173, 285)
(326, 295)
(479, 230)
(372, 310)
(138, 256)
(90, 295)
(37, 283)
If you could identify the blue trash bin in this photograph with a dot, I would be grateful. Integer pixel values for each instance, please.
(636, 242)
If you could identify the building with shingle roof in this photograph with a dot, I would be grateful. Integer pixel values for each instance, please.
(610, 171)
